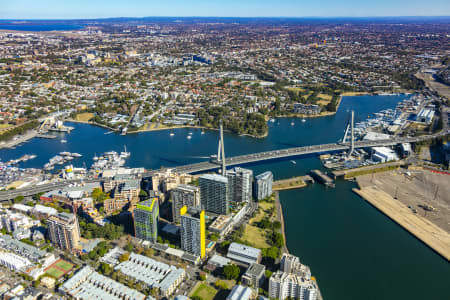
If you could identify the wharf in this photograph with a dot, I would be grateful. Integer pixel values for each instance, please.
(322, 178)
(19, 139)
(350, 173)
(291, 183)
(426, 231)
(46, 136)
(67, 129)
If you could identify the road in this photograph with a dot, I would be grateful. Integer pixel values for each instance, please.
(233, 161)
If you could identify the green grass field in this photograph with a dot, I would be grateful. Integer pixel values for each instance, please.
(62, 264)
(255, 236)
(204, 291)
(54, 273)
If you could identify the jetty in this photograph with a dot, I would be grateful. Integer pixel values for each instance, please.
(46, 136)
(291, 183)
(322, 178)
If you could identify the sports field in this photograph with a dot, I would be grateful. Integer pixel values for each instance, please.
(59, 268)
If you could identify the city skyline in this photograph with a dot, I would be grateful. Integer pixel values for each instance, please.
(51, 9)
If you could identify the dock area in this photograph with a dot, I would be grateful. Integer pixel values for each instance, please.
(46, 136)
(17, 140)
(291, 183)
(322, 178)
(350, 173)
(67, 129)
(426, 231)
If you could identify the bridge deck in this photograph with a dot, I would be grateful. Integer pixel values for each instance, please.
(233, 161)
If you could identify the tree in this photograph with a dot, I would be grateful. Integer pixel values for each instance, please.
(105, 269)
(124, 257)
(221, 285)
(268, 273)
(129, 247)
(231, 271)
(149, 252)
(202, 276)
(276, 225)
(98, 195)
(18, 199)
(143, 194)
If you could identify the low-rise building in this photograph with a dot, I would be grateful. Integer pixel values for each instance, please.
(244, 254)
(87, 284)
(240, 292)
(153, 273)
(254, 275)
(306, 109)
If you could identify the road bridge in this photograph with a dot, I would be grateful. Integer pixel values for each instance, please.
(234, 161)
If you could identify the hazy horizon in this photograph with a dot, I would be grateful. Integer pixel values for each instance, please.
(101, 9)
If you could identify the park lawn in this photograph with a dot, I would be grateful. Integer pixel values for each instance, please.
(296, 89)
(4, 126)
(267, 206)
(54, 272)
(325, 97)
(255, 236)
(230, 283)
(258, 217)
(84, 117)
(205, 291)
(66, 266)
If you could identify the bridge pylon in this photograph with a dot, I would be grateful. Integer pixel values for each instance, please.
(350, 127)
(221, 149)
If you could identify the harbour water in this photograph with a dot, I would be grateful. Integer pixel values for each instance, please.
(354, 251)
(38, 27)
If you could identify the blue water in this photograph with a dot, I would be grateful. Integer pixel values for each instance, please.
(354, 251)
(155, 149)
(49, 27)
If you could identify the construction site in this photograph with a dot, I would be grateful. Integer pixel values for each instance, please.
(417, 199)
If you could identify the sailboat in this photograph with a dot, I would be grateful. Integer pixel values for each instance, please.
(125, 154)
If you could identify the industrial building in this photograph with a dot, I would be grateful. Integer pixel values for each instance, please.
(184, 195)
(193, 232)
(244, 254)
(263, 185)
(146, 216)
(240, 184)
(425, 116)
(214, 193)
(64, 231)
(383, 154)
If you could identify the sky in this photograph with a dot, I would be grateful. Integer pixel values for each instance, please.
(75, 9)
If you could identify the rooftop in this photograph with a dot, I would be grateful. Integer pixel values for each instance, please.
(214, 177)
